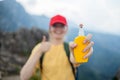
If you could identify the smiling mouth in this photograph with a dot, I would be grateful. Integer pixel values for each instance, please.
(58, 32)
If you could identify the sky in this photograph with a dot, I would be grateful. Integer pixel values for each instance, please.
(96, 15)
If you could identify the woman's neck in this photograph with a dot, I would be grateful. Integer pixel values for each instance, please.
(56, 41)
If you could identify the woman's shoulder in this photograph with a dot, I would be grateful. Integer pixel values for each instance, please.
(36, 47)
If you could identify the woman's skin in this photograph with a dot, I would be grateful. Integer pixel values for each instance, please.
(56, 33)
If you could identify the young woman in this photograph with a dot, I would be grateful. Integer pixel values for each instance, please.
(56, 65)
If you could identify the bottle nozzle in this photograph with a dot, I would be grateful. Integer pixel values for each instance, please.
(81, 25)
(81, 31)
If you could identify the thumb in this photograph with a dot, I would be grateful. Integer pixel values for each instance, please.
(72, 45)
(44, 39)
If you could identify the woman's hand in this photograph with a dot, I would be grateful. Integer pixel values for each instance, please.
(45, 45)
(72, 45)
(89, 47)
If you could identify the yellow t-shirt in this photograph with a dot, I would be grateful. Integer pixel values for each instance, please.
(55, 64)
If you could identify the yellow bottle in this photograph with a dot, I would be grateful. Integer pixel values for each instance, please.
(78, 50)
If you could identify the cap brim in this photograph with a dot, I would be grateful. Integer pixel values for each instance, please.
(62, 22)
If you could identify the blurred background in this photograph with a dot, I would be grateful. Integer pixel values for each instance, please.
(24, 22)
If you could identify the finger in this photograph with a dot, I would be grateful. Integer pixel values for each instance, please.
(44, 39)
(89, 53)
(72, 45)
(88, 38)
(89, 46)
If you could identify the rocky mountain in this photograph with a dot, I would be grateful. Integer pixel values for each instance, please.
(15, 47)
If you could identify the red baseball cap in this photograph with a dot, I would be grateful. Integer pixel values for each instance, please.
(58, 19)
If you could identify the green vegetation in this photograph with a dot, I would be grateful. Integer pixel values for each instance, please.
(36, 75)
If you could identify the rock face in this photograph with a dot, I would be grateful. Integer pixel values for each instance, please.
(117, 76)
(15, 47)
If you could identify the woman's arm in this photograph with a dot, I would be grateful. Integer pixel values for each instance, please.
(28, 69)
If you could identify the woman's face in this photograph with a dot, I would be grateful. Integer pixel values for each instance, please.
(58, 31)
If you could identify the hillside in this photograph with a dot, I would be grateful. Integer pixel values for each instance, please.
(13, 16)
(15, 48)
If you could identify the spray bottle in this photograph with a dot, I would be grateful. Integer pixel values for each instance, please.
(78, 50)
